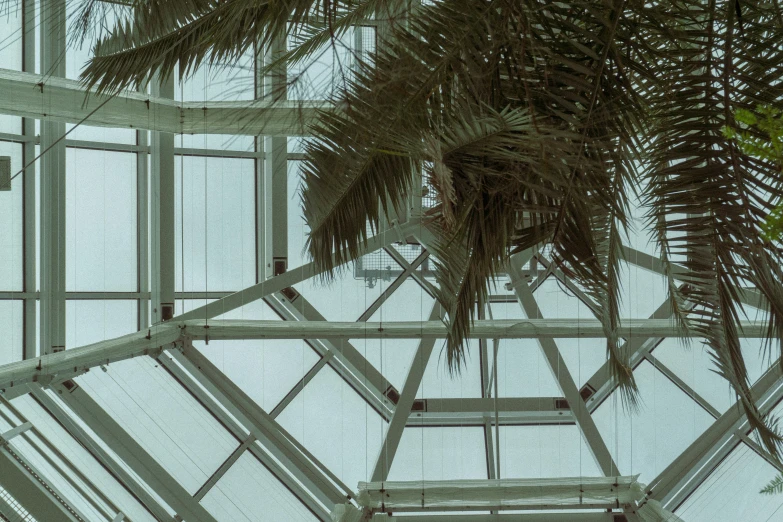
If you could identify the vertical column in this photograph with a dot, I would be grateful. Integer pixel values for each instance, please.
(275, 178)
(29, 206)
(142, 227)
(52, 165)
(162, 215)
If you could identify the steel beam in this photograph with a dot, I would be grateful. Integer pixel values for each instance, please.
(536, 328)
(53, 179)
(29, 488)
(132, 453)
(564, 379)
(318, 480)
(190, 376)
(72, 362)
(133, 486)
(162, 225)
(517, 517)
(65, 101)
(684, 475)
(402, 411)
(347, 361)
(510, 410)
(602, 384)
(30, 210)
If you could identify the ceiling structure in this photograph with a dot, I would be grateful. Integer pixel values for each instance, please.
(269, 395)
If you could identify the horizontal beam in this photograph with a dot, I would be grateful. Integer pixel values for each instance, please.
(48, 98)
(477, 411)
(516, 517)
(62, 365)
(487, 329)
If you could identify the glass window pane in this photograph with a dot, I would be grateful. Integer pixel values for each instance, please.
(452, 453)
(265, 370)
(731, 492)
(648, 440)
(545, 451)
(248, 492)
(11, 35)
(11, 324)
(102, 134)
(215, 223)
(163, 417)
(11, 223)
(101, 221)
(91, 321)
(337, 426)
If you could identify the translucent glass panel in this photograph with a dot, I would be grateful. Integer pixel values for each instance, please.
(544, 451)
(693, 364)
(11, 36)
(163, 417)
(101, 134)
(227, 142)
(731, 492)
(91, 321)
(233, 80)
(392, 357)
(81, 459)
(337, 426)
(11, 324)
(326, 70)
(297, 228)
(522, 369)
(451, 453)
(439, 382)
(79, 53)
(11, 222)
(343, 299)
(100, 218)
(248, 492)
(215, 223)
(647, 441)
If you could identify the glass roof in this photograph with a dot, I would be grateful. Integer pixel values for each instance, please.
(283, 429)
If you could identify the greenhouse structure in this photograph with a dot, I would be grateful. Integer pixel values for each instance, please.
(172, 351)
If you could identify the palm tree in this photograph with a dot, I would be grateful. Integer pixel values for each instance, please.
(532, 123)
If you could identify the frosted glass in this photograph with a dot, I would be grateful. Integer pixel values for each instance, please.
(91, 321)
(248, 492)
(297, 228)
(451, 453)
(337, 426)
(11, 35)
(648, 440)
(319, 76)
(544, 451)
(228, 81)
(215, 223)
(102, 134)
(100, 221)
(266, 370)
(343, 299)
(731, 492)
(11, 324)
(163, 417)
(11, 223)
(227, 142)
